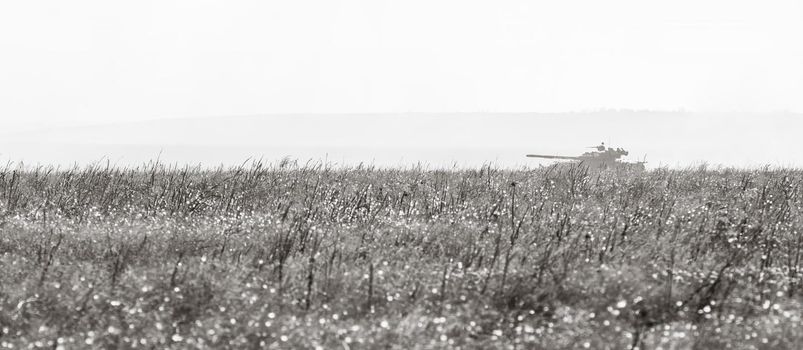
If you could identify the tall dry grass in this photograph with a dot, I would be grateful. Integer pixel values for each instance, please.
(286, 255)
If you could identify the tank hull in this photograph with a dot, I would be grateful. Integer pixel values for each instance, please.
(601, 158)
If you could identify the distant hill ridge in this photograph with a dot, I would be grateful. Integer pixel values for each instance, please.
(664, 137)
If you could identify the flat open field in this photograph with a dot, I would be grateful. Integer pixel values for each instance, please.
(305, 256)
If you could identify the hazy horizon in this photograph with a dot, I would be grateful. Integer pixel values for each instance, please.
(674, 139)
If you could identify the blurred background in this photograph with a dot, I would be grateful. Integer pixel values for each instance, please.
(390, 82)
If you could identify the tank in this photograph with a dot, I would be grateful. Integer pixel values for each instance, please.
(601, 157)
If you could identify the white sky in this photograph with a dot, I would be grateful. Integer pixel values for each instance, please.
(101, 60)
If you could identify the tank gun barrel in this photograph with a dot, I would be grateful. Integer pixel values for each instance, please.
(551, 157)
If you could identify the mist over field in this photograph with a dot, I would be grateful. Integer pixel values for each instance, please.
(674, 139)
(380, 174)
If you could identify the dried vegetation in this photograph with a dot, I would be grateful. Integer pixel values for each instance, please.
(308, 256)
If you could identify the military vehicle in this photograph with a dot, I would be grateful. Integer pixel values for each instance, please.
(602, 157)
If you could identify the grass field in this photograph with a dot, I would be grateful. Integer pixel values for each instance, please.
(306, 256)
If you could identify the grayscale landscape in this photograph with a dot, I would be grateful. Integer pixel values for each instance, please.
(371, 174)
